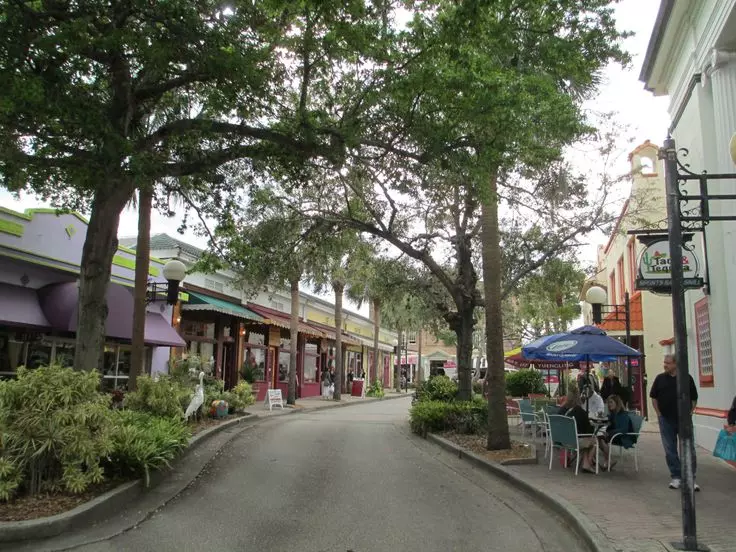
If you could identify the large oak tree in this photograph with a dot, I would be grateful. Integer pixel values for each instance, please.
(103, 97)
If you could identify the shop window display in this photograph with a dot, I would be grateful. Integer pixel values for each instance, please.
(310, 362)
(11, 354)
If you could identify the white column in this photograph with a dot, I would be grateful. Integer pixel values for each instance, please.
(722, 235)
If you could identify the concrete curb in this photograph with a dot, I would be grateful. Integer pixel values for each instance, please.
(332, 404)
(583, 527)
(101, 507)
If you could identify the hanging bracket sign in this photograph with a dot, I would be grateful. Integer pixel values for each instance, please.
(654, 266)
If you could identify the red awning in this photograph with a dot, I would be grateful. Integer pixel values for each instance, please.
(283, 320)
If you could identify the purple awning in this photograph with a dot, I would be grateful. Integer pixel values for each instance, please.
(160, 332)
(19, 307)
(60, 304)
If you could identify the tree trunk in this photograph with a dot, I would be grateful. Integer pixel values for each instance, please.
(376, 332)
(142, 262)
(100, 246)
(339, 288)
(397, 378)
(464, 331)
(498, 426)
(294, 338)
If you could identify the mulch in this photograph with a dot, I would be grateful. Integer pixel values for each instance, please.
(477, 444)
(49, 504)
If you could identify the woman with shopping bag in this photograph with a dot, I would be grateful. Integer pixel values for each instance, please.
(726, 443)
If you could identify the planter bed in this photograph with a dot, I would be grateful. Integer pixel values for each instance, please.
(44, 505)
(477, 444)
(50, 504)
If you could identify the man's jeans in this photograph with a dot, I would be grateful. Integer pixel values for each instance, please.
(668, 432)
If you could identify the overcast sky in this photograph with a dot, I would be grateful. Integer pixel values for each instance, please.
(645, 115)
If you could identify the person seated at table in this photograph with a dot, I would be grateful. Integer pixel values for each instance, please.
(618, 422)
(574, 409)
(595, 405)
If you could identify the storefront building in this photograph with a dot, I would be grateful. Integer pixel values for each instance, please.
(691, 58)
(223, 326)
(40, 256)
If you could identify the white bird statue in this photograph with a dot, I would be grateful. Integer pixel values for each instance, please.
(197, 398)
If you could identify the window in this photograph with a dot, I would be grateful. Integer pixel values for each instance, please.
(277, 306)
(39, 353)
(412, 337)
(621, 278)
(192, 328)
(631, 248)
(64, 354)
(213, 284)
(705, 351)
(255, 338)
(259, 363)
(284, 359)
(205, 350)
(115, 367)
(12, 353)
(284, 363)
(612, 288)
(311, 352)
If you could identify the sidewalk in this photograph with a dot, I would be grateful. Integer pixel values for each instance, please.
(638, 511)
(318, 403)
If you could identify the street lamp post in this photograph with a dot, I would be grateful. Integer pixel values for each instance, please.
(597, 296)
(174, 271)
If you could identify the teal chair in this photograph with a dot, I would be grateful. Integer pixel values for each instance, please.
(563, 435)
(547, 411)
(528, 417)
(626, 441)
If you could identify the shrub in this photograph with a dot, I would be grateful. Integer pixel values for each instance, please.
(460, 416)
(478, 388)
(437, 388)
(566, 382)
(162, 398)
(143, 442)
(375, 389)
(523, 382)
(247, 371)
(242, 395)
(56, 431)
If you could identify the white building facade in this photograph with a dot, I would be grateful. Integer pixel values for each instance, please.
(692, 59)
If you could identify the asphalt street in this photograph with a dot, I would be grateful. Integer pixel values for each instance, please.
(342, 480)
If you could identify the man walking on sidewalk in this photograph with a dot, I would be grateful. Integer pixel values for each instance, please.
(664, 400)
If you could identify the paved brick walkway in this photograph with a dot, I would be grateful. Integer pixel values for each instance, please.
(311, 403)
(638, 511)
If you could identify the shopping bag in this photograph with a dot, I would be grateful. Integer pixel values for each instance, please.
(726, 446)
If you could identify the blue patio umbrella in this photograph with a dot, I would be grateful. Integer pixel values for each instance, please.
(587, 343)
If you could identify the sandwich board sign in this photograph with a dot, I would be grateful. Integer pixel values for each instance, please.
(654, 266)
(274, 398)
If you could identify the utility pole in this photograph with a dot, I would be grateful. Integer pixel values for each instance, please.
(684, 406)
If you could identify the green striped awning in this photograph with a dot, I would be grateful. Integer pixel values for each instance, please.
(200, 302)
